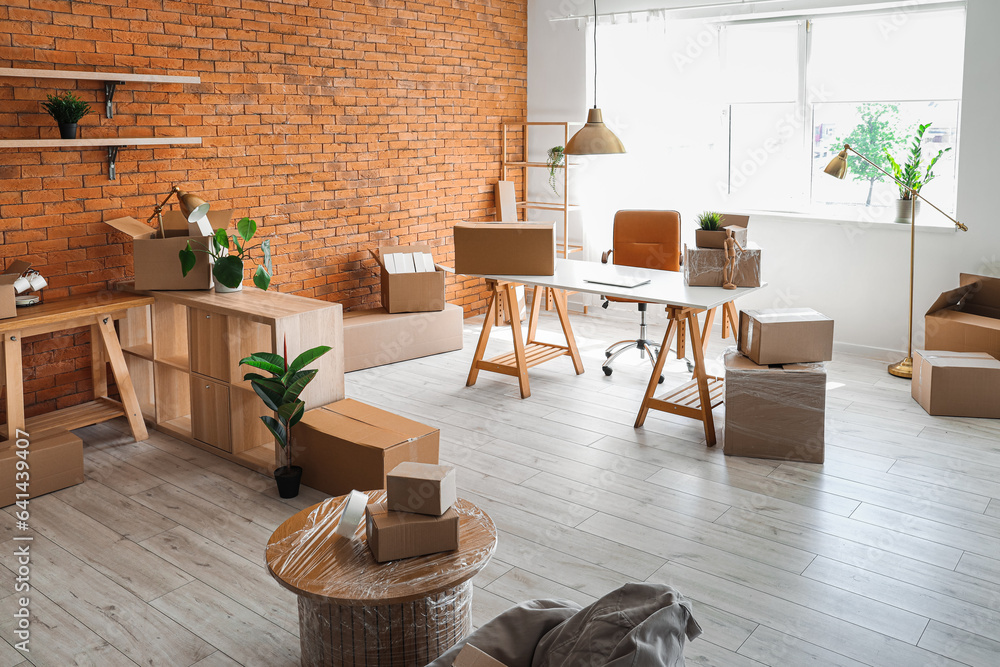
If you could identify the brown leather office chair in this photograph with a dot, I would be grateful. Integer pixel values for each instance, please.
(651, 240)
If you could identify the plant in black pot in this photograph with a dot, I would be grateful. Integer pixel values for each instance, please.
(67, 109)
(280, 392)
(230, 259)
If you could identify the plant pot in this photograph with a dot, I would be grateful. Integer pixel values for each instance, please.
(67, 130)
(288, 479)
(222, 289)
(903, 212)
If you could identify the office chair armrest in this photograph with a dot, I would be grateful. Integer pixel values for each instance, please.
(606, 255)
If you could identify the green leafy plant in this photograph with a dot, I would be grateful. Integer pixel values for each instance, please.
(911, 173)
(281, 389)
(229, 259)
(553, 158)
(710, 221)
(870, 137)
(66, 108)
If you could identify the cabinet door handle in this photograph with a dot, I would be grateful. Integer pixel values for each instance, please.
(206, 386)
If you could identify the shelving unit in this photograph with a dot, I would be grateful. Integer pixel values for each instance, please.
(183, 352)
(111, 81)
(565, 248)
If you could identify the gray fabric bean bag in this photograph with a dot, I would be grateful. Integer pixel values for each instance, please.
(638, 625)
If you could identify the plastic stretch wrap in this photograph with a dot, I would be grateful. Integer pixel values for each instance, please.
(354, 611)
(774, 412)
(705, 267)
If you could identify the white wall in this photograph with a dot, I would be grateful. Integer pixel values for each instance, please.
(854, 273)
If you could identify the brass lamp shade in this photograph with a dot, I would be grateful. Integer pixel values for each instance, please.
(838, 166)
(594, 138)
(192, 206)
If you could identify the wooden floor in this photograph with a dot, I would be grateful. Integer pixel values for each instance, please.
(889, 554)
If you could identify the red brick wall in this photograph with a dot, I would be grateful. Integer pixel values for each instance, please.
(336, 125)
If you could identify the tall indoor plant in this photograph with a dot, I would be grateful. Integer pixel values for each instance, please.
(230, 259)
(280, 393)
(68, 110)
(911, 174)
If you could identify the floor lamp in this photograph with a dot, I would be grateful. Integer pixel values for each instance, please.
(838, 169)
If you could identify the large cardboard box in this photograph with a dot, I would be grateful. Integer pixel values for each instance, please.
(738, 224)
(395, 535)
(704, 267)
(775, 412)
(350, 445)
(8, 304)
(421, 488)
(470, 656)
(785, 336)
(500, 248)
(155, 260)
(956, 384)
(410, 292)
(54, 463)
(376, 337)
(966, 319)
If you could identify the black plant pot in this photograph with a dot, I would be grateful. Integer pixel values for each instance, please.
(288, 479)
(67, 130)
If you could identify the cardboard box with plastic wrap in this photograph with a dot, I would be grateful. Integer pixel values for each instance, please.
(956, 384)
(705, 267)
(966, 319)
(775, 412)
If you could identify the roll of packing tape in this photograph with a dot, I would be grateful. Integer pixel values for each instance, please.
(353, 514)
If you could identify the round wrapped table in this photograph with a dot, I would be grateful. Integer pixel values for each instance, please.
(355, 611)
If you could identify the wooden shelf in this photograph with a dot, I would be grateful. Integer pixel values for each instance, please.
(179, 427)
(77, 416)
(179, 363)
(143, 351)
(539, 164)
(111, 79)
(113, 144)
(548, 206)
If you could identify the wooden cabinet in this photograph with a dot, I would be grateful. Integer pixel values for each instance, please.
(210, 412)
(187, 346)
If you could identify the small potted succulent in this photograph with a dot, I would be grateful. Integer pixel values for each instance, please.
(67, 109)
(712, 226)
(280, 393)
(229, 260)
(911, 176)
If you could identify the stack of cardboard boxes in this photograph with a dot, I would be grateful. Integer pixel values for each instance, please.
(417, 517)
(958, 374)
(776, 385)
(705, 264)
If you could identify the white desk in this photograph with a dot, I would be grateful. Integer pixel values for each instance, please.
(694, 399)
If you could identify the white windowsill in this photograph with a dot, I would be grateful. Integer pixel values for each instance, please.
(812, 218)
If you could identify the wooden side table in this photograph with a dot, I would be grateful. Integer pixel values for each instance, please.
(354, 611)
(98, 311)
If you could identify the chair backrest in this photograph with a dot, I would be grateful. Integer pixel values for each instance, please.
(650, 239)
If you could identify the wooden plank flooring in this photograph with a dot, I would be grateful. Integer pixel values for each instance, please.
(889, 554)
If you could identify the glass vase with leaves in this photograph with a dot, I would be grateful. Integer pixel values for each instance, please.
(230, 254)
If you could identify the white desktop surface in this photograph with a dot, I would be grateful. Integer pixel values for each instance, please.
(666, 287)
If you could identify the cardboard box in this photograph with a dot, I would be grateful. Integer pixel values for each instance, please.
(410, 292)
(376, 337)
(775, 412)
(54, 463)
(717, 239)
(470, 656)
(785, 336)
(421, 488)
(703, 267)
(8, 305)
(956, 384)
(396, 535)
(155, 260)
(350, 445)
(501, 248)
(966, 319)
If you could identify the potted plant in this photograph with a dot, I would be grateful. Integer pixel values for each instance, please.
(553, 158)
(912, 176)
(230, 259)
(67, 109)
(280, 392)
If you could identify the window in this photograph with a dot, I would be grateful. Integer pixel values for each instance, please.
(745, 115)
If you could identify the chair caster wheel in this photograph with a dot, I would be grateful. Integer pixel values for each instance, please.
(607, 370)
(607, 355)
(660, 381)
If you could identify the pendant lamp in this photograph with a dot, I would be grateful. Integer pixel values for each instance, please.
(594, 138)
